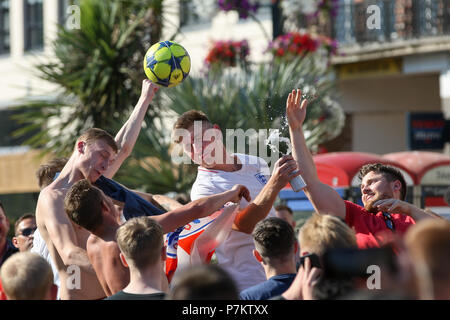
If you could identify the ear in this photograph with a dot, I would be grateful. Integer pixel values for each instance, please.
(15, 242)
(105, 207)
(295, 247)
(81, 146)
(397, 185)
(123, 260)
(257, 256)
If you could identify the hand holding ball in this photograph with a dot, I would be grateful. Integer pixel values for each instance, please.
(167, 63)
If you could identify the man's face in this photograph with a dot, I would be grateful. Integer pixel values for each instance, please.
(374, 187)
(4, 225)
(25, 234)
(96, 159)
(205, 145)
(286, 216)
(112, 209)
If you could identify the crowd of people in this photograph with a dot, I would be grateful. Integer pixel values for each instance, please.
(92, 238)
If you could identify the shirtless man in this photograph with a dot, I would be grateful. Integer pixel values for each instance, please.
(89, 208)
(96, 153)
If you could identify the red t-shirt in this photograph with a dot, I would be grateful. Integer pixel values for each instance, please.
(2, 293)
(371, 229)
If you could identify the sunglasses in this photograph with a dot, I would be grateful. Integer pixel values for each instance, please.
(28, 231)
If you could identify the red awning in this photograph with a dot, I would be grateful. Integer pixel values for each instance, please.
(332, 175)
(351, 162)
(429, 168)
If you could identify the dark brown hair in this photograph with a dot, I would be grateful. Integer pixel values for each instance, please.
(47, 171)
(187, 119)
(274, 238)
(389, 172)
(83, 205)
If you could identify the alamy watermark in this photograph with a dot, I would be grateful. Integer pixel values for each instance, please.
(374, 280)
(207, 146)
(374, 20)
(73, 280)
(73, 19)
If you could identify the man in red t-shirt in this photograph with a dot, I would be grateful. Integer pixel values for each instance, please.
(383, 190)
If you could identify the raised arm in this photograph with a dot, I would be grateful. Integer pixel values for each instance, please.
(323, 197)
(128, 134)
(284, 171)
(200, 208)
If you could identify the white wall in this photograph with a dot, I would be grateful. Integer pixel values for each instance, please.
(380, 105)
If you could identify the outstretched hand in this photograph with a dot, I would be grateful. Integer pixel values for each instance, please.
(296, 109)
(149, 90)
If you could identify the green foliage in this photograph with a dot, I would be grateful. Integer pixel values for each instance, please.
(98, 70)
(256, 98)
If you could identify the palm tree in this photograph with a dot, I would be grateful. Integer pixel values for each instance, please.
(98, 69)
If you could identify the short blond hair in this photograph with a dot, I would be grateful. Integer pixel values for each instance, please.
(26, 276)
(428, 244)
(323, 232)
(141, 240)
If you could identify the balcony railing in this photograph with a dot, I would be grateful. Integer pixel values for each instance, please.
(398, 20)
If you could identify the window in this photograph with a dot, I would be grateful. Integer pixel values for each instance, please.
(4, 27)
(196, 12)
(34, 26)
(62, 8)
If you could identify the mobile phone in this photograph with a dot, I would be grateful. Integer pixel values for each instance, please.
(351, 263)
(315, 261)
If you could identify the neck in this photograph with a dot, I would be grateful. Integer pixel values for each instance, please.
(231, 163)
(145, 281)
(70, 174)
(280, 268)
(107, 231)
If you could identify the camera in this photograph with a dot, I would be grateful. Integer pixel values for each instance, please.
(353, 263)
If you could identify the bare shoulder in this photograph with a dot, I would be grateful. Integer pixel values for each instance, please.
(50, 200)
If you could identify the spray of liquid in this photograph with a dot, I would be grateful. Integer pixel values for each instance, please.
(274, 140)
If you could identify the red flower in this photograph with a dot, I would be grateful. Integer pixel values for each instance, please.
(227, 53)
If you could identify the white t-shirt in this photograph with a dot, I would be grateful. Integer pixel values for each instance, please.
(235, 254)
(40, 247)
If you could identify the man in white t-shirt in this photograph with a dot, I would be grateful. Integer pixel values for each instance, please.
(217, 171)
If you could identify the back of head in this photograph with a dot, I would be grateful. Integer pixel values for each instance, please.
(141, 241)
(391, 174)
(428, 244)
(83, 205)
(95, 134)
(203, 282)
(26, 276)
(322, 232)
(283, 207)
(46, 172)
(274, 239)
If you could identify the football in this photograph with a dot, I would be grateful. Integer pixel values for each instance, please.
(167, 63)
